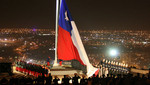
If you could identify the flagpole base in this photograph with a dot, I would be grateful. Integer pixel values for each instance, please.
(55, 64)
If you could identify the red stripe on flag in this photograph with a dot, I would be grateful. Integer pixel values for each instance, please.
(66, 49)
(96, 73)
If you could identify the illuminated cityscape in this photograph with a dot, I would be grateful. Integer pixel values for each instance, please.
(75, 42)
(131, 47)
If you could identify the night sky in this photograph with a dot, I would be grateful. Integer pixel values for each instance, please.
(88, 14)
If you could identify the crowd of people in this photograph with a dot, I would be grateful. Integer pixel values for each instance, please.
(119, 79)
(31, 69)
(111, 67)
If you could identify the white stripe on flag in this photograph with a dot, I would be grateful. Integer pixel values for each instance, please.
(79, 45)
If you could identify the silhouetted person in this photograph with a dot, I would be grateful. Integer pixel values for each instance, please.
(84, 81)
(49, 79)
(65, 80)
(29, 81)
(55, 81)
(75, 79)
(89, 81)
(95, 79)
(40, 80)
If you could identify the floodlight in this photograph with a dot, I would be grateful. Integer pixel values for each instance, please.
(113, 52)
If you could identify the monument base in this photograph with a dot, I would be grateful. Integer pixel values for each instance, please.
(64, 71)
(58, 67)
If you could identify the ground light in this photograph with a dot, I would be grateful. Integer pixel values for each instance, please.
(113, 52)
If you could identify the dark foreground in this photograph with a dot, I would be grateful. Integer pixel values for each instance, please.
(128, 79)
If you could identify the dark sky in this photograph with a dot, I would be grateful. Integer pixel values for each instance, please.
(88, 14)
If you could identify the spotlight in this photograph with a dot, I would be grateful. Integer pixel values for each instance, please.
(113, 52)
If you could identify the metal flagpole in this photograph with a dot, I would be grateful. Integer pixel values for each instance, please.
(56, 31)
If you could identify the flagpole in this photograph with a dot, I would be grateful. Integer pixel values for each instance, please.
(56, 31)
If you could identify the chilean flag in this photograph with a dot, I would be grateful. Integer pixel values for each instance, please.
(69, 44)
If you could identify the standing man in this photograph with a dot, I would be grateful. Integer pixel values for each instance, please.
(75, 79)
(106, 72)
(48, 60)
(100, 71)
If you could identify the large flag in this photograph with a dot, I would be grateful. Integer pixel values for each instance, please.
(70, 46)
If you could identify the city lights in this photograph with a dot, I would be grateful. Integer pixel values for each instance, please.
(130, 46)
